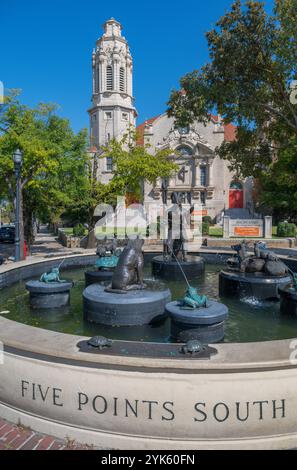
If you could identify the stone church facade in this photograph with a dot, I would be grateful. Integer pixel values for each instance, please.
(203, 178)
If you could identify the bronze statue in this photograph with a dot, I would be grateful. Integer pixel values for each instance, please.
(108, 255)
(174, 248)
(128, 274)
(263, 260)
(192, 299)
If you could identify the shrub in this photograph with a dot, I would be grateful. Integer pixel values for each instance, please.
(78, 230)
(207, 219)
(205, 228)
(284, 229)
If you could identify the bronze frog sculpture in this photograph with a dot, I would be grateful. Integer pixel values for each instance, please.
(52, 276)
(108, 255)
(193, 300)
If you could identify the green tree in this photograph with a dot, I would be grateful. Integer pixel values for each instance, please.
(253, 64)
(54, 159)
(133, 166)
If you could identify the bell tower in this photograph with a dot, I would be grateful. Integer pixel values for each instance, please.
(112, 111)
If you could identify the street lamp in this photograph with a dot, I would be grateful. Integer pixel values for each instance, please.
(18, 159)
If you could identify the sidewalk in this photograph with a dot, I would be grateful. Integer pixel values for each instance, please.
(18, 437)
(46, 245)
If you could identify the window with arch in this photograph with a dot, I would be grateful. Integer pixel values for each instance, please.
(109, 78)
(98, 80)
(203, 176)
(236, 185)
(185, 150)
(109, 164)
(122, 79)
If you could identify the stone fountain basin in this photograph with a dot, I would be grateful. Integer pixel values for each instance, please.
(146, 396)
(135, 307)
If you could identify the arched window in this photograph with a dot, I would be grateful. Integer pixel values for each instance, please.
(109, 164)
(236, 185)
(203, 176)
(109, 78)
(122, 79)
(98, 80)
(184, 150)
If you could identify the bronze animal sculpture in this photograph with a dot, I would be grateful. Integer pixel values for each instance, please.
(128, 274)
(263, 260)
(100, 342)
(193, 300)
(108, 255)
(241, 253)
(52, 276)
(174, 248)
(192, 347)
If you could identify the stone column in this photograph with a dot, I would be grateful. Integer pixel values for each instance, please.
(226, 227)
(197, 173)
(209, 172)
(116, 68)
(268, 226)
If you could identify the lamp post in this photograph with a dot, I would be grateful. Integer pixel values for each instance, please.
(18, 159)
(164, 192)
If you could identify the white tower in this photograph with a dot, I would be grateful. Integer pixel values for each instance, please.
(112, 110)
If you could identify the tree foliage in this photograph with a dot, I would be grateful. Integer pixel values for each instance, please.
(54, 158)
(248, 80)
(134, 165)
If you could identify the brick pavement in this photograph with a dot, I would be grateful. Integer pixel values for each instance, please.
(18, 437)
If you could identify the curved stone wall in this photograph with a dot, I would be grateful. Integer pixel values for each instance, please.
(138, 395)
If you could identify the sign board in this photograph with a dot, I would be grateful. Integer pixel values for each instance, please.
(246, 228)
(202, 212)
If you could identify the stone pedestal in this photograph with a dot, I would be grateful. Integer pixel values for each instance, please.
(95, 277)
(226, 226)
(257, 285)
(268, 226)
(204, 324)
(288, 300)
(170, 270)
(136, 307)
(51, 295)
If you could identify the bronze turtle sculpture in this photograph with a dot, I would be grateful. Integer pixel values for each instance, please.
(193, 346)
(100, 342)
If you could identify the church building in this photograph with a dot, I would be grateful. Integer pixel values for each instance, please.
(203, 178)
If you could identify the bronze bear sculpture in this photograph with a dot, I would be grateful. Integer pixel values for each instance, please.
(128, 274)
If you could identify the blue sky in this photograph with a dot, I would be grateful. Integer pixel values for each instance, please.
(46, 48)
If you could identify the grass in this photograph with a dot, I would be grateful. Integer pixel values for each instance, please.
(69, 231)
(215, 231)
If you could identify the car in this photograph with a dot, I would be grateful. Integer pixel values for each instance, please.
(7, 234)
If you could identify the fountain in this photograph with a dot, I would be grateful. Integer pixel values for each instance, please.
(128, 300)
(288, 297)
(108, 256)
(166, 266)
(259, 275)
(137, 383)
(194, 317)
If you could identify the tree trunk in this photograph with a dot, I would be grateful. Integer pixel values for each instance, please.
(92, 242)
(29, 228)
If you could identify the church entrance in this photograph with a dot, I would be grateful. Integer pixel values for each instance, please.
(235, 195)
(184, 197)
